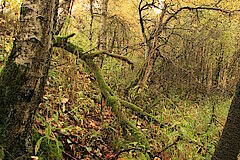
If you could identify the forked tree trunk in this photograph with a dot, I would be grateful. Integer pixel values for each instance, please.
(23, 77)
(229, 145)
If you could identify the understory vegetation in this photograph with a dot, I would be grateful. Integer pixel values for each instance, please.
(73, 124)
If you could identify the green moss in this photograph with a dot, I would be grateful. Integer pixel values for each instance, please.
(1, 153)
(138, 110)
(92, 55)
(70, 47)
(11, 79)
(114, 103)
(105, 89)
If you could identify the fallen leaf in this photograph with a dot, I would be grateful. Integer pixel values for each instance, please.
(64, 100)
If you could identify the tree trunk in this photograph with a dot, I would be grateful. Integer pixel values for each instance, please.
(229, 145)
(149, 59)
(23, 77)
(64, 9)
(91, 25)
(102, 36)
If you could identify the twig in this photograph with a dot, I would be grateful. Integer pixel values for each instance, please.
(89, 50)
(69, 155)
(198, 8)
(9, 153)
(217, 3)
(175, 142)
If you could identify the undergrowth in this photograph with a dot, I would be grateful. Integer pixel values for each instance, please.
(74, 123)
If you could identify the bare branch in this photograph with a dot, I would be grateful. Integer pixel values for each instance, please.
(63, 42)
(217, 3)
(143, 29)
(198, 8)
(174, 143)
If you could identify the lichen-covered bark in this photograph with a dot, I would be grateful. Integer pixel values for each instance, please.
(23, 76)
(229, 145)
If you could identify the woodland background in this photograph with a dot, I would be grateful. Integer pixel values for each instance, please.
(182, 73)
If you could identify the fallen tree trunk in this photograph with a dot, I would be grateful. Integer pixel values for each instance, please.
(139, 111)
(111, 99)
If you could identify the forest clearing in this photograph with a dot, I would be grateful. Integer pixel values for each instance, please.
(119, 79)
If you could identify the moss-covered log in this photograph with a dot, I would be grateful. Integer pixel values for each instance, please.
(139, 111)
(111, 99)
(99, 53)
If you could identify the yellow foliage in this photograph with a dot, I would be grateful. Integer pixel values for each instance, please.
(8, 48)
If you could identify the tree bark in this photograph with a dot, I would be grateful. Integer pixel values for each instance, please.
(63, 12)
(23, 77)
(229, 145)
(91, 25)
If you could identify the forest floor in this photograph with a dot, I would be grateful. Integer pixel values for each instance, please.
(73, 124)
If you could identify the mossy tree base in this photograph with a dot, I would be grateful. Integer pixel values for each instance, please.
(13, 117)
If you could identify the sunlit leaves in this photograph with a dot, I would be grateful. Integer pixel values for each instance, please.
(9, 11)
(37, 146)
